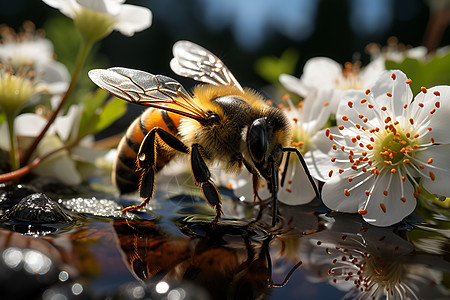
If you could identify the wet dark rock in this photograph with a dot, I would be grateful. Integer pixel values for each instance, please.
(11, 194)
(37, 208)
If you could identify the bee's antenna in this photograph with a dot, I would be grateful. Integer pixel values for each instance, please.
(305, 167)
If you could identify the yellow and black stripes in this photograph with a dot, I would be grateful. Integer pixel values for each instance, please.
(124, 174)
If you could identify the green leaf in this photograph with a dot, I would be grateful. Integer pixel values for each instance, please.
(113, 109)
(271, 67)
(428, 74)
(98, 113)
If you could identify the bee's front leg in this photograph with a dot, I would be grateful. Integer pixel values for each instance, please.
(146, 162)
(202, 177)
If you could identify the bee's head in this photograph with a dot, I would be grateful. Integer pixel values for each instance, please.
(264, 146)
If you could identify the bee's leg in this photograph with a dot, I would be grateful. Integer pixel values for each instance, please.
(202, 177)
(305, 167)
(274, 190)
(146, 162)
(286, 164)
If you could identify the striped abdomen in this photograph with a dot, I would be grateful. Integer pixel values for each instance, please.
(124, 174)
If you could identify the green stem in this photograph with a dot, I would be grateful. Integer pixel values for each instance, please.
(12, 139)
(85, 48)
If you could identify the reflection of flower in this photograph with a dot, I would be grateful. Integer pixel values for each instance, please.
(97, 18)
(329, 80)
(373, 263)
(383, 141)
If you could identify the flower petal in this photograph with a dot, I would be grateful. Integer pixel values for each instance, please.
(438, 99)
(293, 84)
(132, 19)
(333, 191)
(390, 90)
(60, 166)
(317, 110)
(440, 167)
(318, 158)
(67, 7)
(297, 189)
(387, 210)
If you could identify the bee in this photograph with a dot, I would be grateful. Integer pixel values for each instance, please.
(218, 123)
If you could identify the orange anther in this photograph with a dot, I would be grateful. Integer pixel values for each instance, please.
(437, 93)
(346, 192)
(408, 81)
(388, 94)
(430, 160)
(362, 212)
(367, 91)
(423, 89)
(383, 207)
(367, 193)
(403, 199)
(393, 76)
(432, 175)
(350, 104)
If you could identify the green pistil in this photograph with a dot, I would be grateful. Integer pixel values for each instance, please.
(300, 139)
(391, 148)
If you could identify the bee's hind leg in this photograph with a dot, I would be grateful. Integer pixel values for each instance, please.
(202, 177)
(146, 162)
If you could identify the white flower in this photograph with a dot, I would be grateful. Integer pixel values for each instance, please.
(329, 80)
(383, 142)
(28, 50)
(97, 18)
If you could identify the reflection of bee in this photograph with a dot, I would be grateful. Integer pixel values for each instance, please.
(219, 123)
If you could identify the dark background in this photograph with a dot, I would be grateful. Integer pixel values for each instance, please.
(242, 31)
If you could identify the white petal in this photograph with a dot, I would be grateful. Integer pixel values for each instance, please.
(60, 166)
(396, 209)
(440, 168)
(319, 156)
(102, 6)
(438, 121)
(353, 98)
(297, 189)
(333, 195)
(29, 124)
(65, 125)
(401, 93)
(321, 72)
(132, 19)
(371, 72)
(316, 110)
(67, 7)
(55, 76)
(293, 84)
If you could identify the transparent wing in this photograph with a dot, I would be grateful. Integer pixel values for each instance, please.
(191, 60)
(149, 90)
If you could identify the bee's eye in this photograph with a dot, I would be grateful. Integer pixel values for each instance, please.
(257, 140)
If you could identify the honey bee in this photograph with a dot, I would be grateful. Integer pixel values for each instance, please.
(219, 123)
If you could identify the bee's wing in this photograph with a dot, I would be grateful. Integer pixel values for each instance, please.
(149, 90)
(191, 60)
